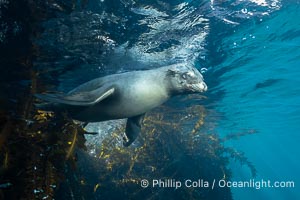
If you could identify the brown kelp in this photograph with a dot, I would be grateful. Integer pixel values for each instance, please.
(171, 147)
(29, 157)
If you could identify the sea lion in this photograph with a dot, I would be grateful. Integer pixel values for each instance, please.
(126, 95)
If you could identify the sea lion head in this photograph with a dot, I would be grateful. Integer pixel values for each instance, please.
(185, 79)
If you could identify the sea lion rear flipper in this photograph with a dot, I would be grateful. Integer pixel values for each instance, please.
(133, 129)
(81, 98)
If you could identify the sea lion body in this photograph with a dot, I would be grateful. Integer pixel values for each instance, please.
(127, 95)
(135, 93)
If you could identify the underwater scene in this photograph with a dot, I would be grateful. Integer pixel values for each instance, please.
(192, 100)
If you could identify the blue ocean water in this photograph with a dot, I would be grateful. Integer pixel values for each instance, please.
(259, 80)
(249, 51)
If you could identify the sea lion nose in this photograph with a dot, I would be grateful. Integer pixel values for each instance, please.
(200, 87)
(204, 86)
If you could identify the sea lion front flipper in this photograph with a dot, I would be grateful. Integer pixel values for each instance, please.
(133, 129)
(81, 98)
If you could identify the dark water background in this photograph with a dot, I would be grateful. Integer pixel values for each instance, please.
(248, 51)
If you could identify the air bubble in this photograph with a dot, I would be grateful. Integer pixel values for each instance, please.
(273, 4)
(203, 70)
(244, 10)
